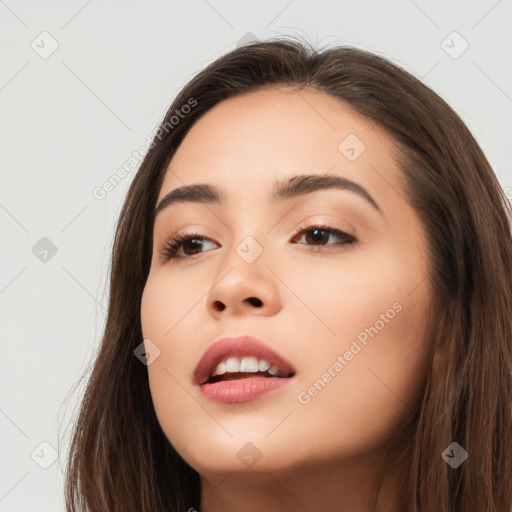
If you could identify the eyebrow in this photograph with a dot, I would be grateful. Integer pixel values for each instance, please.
(286, 189)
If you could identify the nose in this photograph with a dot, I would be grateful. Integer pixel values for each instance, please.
(243, 288)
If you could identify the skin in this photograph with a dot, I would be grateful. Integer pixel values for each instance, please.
(325, 454)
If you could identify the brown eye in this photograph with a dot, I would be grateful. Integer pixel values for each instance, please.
(184, 245)
(320, 235)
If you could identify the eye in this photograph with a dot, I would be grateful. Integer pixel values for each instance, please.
(319, 235)
(184, 245)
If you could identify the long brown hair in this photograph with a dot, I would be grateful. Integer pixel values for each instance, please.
(119, 458)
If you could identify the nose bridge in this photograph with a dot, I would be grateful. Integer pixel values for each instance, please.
(249, 236)
(245, 261)
(243, 281)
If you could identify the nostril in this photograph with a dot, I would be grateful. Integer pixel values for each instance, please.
(254, 301)
(219, 305)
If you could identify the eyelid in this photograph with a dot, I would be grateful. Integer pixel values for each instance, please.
(322, 225)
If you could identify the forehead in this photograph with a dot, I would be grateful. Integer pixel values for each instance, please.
(253, 139)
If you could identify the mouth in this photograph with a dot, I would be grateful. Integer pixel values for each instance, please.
(235, 368)
(240, 369)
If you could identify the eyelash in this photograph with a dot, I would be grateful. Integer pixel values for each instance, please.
(174, 243)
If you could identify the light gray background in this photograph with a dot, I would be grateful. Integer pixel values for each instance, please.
(70, 120)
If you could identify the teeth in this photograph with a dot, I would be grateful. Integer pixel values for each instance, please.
(263, 365)
(233, 365)
(248, 364)
(220, 369)
(273, 370)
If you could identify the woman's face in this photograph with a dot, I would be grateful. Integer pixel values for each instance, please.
(346, 310)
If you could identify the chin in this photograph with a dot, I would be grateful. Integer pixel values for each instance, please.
(217, 458)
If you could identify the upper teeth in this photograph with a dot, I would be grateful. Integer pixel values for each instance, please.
(249, 364)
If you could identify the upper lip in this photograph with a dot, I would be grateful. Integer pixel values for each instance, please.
(240, 346)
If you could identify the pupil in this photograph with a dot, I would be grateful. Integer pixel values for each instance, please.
(191, 243)
(317, 238)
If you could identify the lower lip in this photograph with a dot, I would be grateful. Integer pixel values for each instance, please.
(242, 390)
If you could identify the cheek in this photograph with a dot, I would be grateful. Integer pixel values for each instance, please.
(169, 320)
(176, 412)
(348, 294)
(369, 374)
(167, 300)
(367, 388)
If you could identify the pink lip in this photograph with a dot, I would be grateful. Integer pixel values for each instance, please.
(241, 389)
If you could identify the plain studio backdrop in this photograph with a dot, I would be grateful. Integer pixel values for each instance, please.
(83, 84)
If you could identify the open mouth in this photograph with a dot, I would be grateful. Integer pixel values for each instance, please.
(244, 375)
(234, 368)
(240, 370)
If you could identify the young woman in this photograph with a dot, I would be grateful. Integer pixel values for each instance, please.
(310, 302)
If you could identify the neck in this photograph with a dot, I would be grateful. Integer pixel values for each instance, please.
(344, 486)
